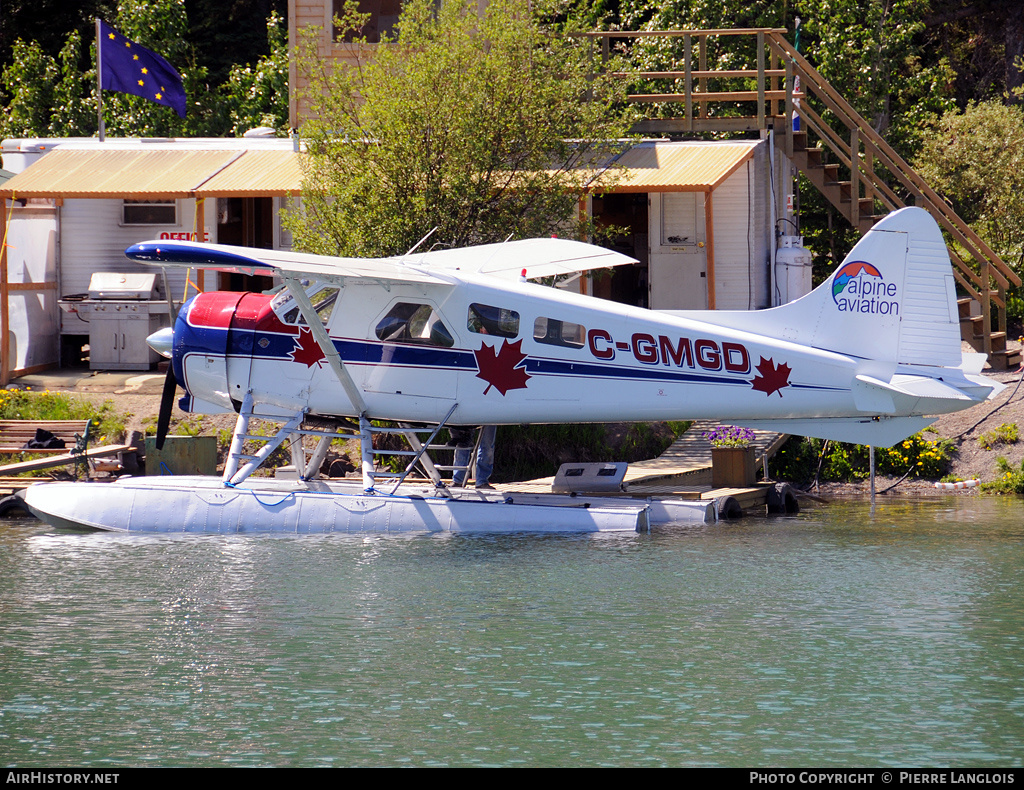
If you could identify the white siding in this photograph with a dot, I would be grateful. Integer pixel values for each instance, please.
(741, 236)
(92, 239)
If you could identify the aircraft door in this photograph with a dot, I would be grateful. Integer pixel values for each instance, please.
(417, 356)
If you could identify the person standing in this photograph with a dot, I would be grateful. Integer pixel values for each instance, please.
(484, 456)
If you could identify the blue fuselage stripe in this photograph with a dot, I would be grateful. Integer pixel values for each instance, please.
(273, 345)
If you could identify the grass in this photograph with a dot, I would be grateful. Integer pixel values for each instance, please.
(1007, 433)
(1010, 480)
(108, 424)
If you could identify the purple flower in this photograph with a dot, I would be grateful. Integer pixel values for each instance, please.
(729, 436)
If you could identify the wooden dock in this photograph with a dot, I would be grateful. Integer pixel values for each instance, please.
(10, 482)
(683, 471)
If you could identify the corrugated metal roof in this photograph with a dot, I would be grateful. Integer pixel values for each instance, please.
(135, 174)
(118, 173)
(680, 167)
(256, 174)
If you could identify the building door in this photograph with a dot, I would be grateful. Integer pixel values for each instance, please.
(678, 268)
(245, 222)
(626, 213)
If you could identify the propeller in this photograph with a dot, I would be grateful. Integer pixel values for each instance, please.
(162, 342)
(163, 421)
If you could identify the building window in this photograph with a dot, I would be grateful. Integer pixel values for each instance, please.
(382, 22)
(149, 212)
(553, 332)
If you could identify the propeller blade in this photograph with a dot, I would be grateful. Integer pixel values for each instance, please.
(163, 422)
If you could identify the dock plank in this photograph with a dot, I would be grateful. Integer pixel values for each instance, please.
(62, 460)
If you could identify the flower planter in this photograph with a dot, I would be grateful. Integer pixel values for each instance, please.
(733, 467)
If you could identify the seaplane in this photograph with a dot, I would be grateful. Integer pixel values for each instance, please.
(465, 337)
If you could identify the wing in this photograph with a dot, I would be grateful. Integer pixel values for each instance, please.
(539, 257)
(250, 260)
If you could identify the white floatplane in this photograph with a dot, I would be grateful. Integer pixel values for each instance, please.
(462, 338)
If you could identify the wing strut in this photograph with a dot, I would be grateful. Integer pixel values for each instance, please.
(316, 326)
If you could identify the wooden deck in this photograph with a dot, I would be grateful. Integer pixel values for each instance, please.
(9, 482)
(683, 471)
(15, 434)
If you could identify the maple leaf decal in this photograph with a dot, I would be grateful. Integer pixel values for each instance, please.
(498, 368)
(307, 350)
(771, 377)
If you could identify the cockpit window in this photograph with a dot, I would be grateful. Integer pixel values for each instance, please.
(487, 320)
(322, 299)
(408, 322)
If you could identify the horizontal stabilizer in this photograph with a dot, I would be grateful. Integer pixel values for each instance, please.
(917, 387)
(904, 392)
(879, 432)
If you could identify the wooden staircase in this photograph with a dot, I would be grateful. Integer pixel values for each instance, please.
(973, 331)
(862, 185)
(827, 180)
(845, 159)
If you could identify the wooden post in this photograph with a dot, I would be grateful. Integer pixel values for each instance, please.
(789, 109)
(855, 178)
(200, 225)
(774, 107)
(687, 83)
(760, 79)
(871, 455)
(5, 344)
(709, 248)
(869, 173)
(986, 307)
(702, 47)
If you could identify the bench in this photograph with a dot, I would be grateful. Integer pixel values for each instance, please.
(15, 434)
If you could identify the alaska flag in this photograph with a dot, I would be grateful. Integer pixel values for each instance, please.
(130, 68)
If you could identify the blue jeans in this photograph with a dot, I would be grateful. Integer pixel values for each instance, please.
(484, 458)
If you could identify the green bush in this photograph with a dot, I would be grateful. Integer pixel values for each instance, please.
(1006, 433)
(799, 457)
(1010, 480)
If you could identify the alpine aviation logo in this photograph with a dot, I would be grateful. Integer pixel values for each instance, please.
(858, 287)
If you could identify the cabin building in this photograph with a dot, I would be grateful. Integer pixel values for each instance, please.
(74, 205)
(695, 215)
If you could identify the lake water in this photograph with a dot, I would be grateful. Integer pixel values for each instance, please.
(839, 637)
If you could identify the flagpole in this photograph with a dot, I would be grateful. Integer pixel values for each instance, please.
(99, 78)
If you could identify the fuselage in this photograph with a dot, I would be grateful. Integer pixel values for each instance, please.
(525, 354)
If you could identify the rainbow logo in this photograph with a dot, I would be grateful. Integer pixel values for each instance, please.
(858, 287)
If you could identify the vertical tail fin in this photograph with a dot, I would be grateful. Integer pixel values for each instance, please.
(893, 300)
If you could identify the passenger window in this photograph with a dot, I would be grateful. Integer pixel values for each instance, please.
(407, 322)
(487, 320)
(553, 332)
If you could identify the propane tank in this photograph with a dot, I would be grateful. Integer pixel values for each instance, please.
(792, 269)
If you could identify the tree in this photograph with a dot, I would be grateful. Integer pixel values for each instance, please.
(475, 123)
(49, 94)
(976, 160)
(875, 53)
(257, 94)
(55, 96)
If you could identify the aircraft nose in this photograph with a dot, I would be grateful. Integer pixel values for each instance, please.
(162, 341)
